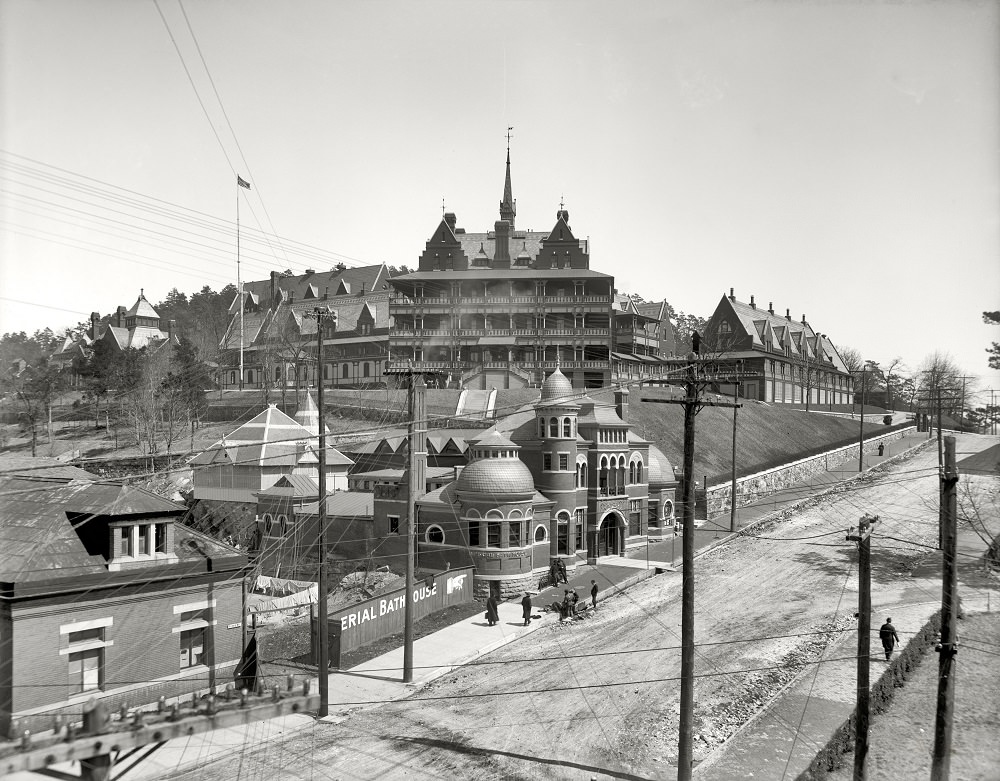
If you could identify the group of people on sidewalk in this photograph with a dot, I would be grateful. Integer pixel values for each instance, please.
(567, 607)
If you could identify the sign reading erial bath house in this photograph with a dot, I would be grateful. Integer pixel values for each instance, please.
(384, 615)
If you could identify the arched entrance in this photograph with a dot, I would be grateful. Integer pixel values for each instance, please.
(609, 535)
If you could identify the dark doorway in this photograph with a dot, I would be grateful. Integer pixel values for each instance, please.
(607, 537)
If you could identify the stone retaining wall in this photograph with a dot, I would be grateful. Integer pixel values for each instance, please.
(752, 488)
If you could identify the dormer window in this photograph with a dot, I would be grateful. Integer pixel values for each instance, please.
(140, 542)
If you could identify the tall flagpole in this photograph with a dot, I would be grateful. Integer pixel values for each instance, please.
(239, 282)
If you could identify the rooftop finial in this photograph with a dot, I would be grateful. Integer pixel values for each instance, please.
(442, 207)
(508, 206)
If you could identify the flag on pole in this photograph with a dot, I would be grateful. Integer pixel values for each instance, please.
(242, 182)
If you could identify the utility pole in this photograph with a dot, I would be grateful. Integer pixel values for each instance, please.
(948, 646)
(732, 490)
(686, 732)
(322, 623)
(863, 538)
(417, 442)
(861, 436)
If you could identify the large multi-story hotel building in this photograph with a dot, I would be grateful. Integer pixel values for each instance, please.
(503, 308)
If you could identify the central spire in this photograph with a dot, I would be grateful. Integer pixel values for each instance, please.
(508, 206)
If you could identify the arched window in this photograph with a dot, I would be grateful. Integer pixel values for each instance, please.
(345, 372)
(541, 533)
(367, 371)
(435, 534)
(541, 427)
(631, 473)
(283, 521)
(638, 471)
(567, 428)
(249, 376)
(668, 509)
(515, 515)
(267, 524)
(553, 427)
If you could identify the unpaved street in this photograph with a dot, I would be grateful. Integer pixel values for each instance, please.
(599, 698)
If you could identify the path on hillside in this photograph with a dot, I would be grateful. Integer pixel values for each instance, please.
(599, 698)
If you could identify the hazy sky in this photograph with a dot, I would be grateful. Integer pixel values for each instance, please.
(839, 159)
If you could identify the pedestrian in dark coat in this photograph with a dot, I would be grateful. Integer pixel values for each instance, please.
(492, 616)
(573, 599)
(526, 608)
(593, 593)
(564, 605)
(562, 570)
(887, 634)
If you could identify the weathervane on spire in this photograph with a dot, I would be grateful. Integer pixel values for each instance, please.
(562, 199)
(442, 207)
(508, 139)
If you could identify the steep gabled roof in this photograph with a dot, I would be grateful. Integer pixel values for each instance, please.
(270, 439)
(142, 308)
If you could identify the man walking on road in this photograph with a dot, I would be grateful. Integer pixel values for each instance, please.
(526, 608)
(887, 634)
(593, 593)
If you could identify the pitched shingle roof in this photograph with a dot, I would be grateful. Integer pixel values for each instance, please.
(270, 439)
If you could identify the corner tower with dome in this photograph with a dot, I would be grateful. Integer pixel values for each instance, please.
(563, 478)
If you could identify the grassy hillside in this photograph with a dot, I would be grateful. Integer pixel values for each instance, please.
(766, 434)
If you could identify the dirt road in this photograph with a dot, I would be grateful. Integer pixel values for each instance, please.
(599, 698)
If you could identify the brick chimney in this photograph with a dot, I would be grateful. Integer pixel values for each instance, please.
(621, 402)
(753, 304)
(732, 297)
(119, 317)
(770, 307)
(501, 257)
(788, 315)
(95, 318)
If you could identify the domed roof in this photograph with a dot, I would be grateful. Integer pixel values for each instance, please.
(557, 388)
(659, 469)
(497, 477)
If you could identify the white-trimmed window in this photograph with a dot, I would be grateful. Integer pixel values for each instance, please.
(541, 533)
(195, 622)
(85, 654)
(435, 534)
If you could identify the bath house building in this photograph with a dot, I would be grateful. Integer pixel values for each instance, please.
(564, 478)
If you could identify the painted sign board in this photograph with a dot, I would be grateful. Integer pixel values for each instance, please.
(384, 615)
